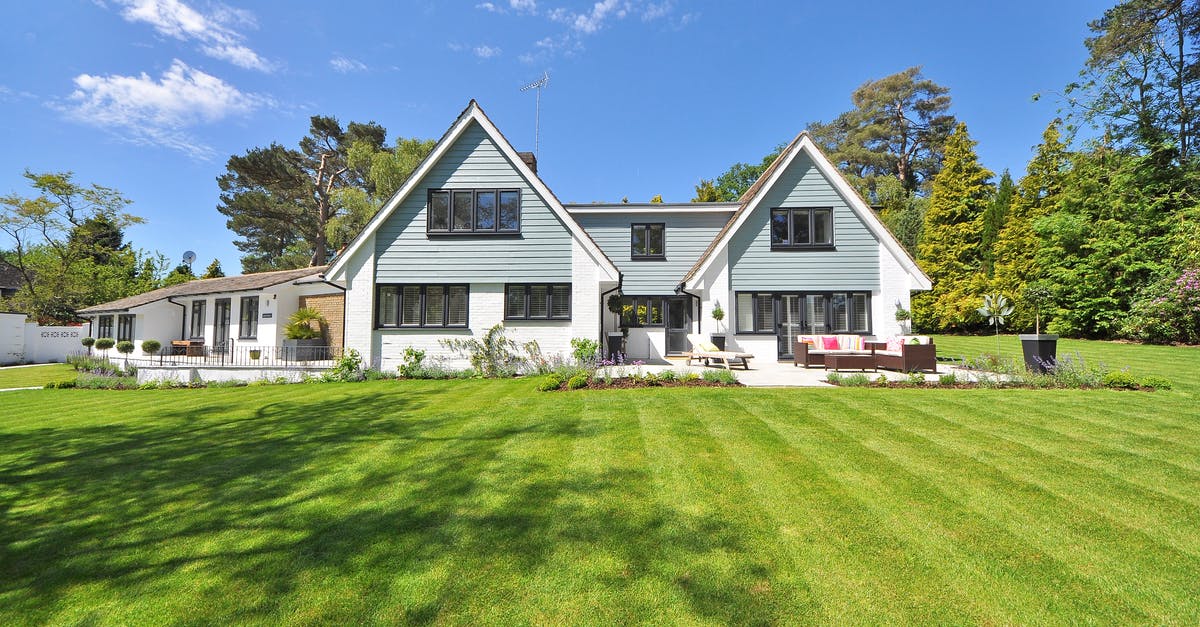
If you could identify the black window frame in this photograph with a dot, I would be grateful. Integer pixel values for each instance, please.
(423, 287)
(104, 326)
(528, 287)
(646, 256)
(200, 305)
(829, 317)
(634, 301)
(475, 193)
(242, 334)
(809, 215)
(125, 324)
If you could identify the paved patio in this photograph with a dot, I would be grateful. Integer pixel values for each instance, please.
(781, 374)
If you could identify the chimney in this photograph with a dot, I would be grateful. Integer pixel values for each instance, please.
(530, 160)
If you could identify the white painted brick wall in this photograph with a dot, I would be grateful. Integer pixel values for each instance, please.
(360, 285)
(895, 285)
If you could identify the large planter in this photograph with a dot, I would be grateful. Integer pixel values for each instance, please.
(1041, 351)
(305, 350)
(718, 339)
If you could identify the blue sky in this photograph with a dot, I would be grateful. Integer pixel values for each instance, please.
(152, 96)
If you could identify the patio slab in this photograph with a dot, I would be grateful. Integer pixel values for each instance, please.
(780, 373)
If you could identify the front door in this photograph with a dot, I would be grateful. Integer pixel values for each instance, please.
(221, 316)
(679, 324)
(789, 323)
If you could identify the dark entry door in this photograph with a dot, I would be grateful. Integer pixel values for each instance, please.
(221, 309)
(679, 324)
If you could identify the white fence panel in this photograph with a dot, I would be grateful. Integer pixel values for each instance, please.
(12, 338)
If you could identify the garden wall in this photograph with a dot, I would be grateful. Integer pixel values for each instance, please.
(30, 343)
(207, 374)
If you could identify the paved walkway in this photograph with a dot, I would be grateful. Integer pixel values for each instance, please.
(779, 373)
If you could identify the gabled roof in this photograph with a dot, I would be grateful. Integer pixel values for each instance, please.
(657, 207)
(10, 275)
(473, 113)
(753, 196)
(240, 283)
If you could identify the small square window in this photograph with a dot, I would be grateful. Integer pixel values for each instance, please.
(647, 241)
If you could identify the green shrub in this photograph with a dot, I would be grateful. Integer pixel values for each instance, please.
(690, 377)
(916, 379)
(551, 382)
(721, 376)
(348, 368)
(948, 379)
(856, 380)
(834, 377)
(60, 385)
(88, 342)
(149, 385)
(493, 356)
(124, 347)
(667, 376)
(584, 350)
(1155, 382)
(105, 343)
(300, 324)
(1119, 380)
(651, 379)
(231, 383)
(371, 374)
(410, 366)
(93, 382)
(578, 381)
(94, 365)
(151, 347)
(882, 381)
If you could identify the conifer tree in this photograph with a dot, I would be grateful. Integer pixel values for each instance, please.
(213, 271)
(950, 250)
(994, 218)
(1018, 243)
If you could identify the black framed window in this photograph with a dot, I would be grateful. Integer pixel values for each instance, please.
(197, 319)
(248, 318)
(104, 326)
(802, 228)
(647, 241)
(441, 306)
(537, 301)
(825, 312)
(474, 211)
(642, 311)
(125, 327)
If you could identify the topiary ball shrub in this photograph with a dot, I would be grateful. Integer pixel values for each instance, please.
(1119, 380)
(551, 382)
(1155, 382)
(124, 347)
(105, 343)
(88, 341)
(151, 347)
(578, 381)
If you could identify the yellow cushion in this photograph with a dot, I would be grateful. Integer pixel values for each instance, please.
(709, 347)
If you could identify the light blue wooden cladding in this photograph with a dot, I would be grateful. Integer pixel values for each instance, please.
(405, 252)
(686, 235)
(852, 265)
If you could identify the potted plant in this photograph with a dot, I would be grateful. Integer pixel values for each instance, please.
(304, 340)
(150, 347)
(125, 347)
(903, 318)
(1040, 351)
(87, 343)
(104, 343)
(615, 344)
(718, 314)
(255, 353)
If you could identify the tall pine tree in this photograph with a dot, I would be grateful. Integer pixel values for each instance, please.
(950, 249)
(1017, 247)
(994, 218)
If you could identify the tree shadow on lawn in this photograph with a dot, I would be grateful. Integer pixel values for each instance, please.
(217, 514)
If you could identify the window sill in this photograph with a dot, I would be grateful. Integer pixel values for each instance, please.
(821, 247)
(413, 327)
(537, 319)
(436, 234)
(648, 258)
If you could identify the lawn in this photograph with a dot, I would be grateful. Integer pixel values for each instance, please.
(477, 501)
(34, 376)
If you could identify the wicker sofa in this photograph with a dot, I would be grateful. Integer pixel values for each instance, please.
(810, 350)
(900, 353)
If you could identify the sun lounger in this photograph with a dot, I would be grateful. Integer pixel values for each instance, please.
(704, 350)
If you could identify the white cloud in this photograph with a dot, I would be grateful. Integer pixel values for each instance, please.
(486, 52)
(145, 111)
(520, 6)
(346, 65)
(214, 31)
(489, 7)
(593, 20)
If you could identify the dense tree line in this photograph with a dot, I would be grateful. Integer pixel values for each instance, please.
(1101, 236)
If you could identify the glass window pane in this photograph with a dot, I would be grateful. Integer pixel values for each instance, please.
(631, 313)
(197, 318)
(837, 306)
(655, 311)
(389, 306)
(439, 211)
(860, 312)
(800, 234)
(435, 305)
(654, 240)
(745, 313)
(514, 301)
(823, 226)
(560, 301)
(485, 211)
(637, 246)
(510, 211)
(456, 309)
(816, 313)
(764, 318)
(410, 305)
(461, 219)
(539, 301)
(779, 226)
(248, 318)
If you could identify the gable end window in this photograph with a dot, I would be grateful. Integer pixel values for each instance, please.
(248, 318)
(537, 302)
(801, 228)
(417, 306)
(647, 241)
(474, 212)
(125, 328)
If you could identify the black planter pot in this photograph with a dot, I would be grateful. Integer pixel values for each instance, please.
(615, 347)
(1041, 351)
(718, 339)
(305, 350)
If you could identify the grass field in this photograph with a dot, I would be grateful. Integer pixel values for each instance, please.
(477, 501)
(34, 376)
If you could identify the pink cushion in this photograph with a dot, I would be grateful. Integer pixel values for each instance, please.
(894, 344)
(829, 343)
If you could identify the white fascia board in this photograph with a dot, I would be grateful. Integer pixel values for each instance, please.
(642, 211)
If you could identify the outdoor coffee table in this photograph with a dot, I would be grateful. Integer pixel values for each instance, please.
(850, 362)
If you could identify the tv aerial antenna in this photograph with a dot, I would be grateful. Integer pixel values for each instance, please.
(189, 257)
(539, 84)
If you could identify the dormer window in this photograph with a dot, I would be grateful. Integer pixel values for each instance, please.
(801, 228)
(474, 211)
(647, 241)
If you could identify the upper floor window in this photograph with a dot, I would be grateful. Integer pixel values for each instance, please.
(801, 228)
(647, 241)
(474, 211)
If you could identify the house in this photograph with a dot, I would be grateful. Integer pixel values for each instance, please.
(10, 279)
(474, 238)
(246, 311)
